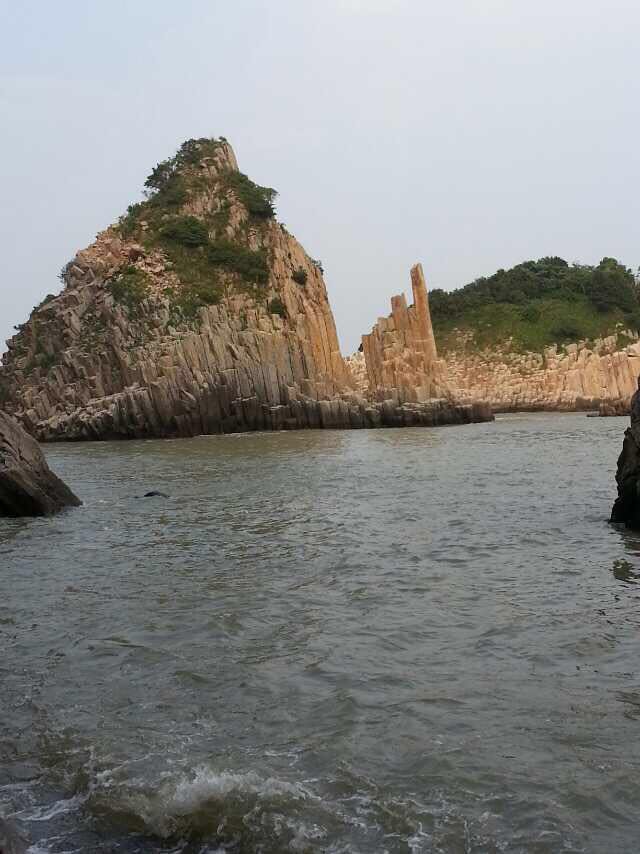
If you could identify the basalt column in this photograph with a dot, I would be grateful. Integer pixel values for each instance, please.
(427, 339)
(400, 351)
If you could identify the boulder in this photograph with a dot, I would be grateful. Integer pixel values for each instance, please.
(626, 508)
(28, 487)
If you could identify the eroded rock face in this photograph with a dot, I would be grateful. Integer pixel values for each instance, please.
(399, 354)
(579, 376)
(626, 508)
(28, 487)
(198, 313)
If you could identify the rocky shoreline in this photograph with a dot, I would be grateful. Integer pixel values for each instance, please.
(204, 315)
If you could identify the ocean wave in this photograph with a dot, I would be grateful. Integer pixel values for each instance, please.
(236, 810)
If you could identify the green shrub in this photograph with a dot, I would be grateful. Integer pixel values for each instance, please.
(530, 314)
(567, 330)
(190, 152)
(128, 223)
(299, 276)
(632, 320)
(608, 286)
(172, 195)
(251, 265)
(185, 230)
(130, 288)
(47, 361)
(257, 200)
(537, 303)
(276, 306)
(612, 286)
(190, 298)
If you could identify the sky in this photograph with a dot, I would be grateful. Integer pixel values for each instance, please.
(469, 135)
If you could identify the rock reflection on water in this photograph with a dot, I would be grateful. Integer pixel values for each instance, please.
(396, 640)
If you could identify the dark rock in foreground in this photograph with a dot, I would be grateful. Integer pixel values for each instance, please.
(12, 838)
(28, 487)
(627, 505)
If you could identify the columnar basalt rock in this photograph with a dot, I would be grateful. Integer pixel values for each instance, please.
(400, 351)
(228, 330)
(580, 376)
(425, 339)
(28, 487)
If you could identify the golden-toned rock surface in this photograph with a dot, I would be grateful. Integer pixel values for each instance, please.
(579, 376)
(400, 353)
(199, 313)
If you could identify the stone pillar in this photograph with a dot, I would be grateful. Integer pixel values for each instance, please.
(400, 314)
(421, 302)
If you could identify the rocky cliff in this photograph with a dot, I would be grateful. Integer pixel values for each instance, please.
(196, 313)
(579, 376)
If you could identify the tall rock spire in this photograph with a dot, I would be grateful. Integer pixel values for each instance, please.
(421, 302)
(400, 351)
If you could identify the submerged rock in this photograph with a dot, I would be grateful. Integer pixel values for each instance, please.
(28, 487)
(12, 839)
(627, 505)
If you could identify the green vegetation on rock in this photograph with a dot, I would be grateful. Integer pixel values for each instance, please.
(185, 230)
(130, 287)
(276, 306)
(190, 153)
(248, 263)
(538, 303)
(256, 199)
(198, 249)
(299, 276)
(192, 296)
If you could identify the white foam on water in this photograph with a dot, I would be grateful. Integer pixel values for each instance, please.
(49, 811)
(206, 784)
(207, 792)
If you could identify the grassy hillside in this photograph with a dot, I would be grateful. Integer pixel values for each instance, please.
(538, 303)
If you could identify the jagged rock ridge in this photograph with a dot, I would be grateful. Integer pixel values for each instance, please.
(400, 354)
(196, 313)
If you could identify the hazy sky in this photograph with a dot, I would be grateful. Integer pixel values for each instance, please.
(467, 134)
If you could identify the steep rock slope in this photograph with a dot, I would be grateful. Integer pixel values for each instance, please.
(196, 313)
